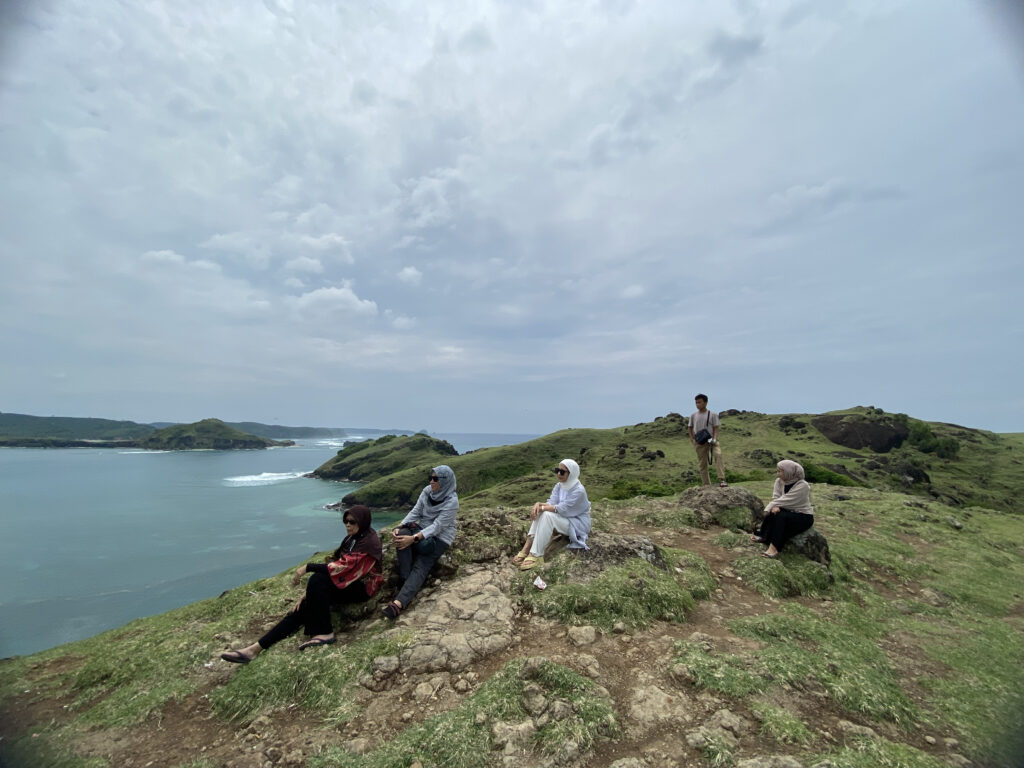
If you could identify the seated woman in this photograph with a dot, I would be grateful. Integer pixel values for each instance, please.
(353, 576)
(789, 512)
(567, 511)
(424, 535)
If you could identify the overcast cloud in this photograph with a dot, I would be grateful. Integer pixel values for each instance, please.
(509, 216)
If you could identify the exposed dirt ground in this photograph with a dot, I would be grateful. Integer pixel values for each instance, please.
(189, 730)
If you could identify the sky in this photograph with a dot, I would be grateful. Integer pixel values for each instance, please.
(510, 216)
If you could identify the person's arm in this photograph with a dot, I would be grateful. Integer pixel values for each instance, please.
(574, 503)
(799, 496)
(714, 429)
(349, 568)
(445, 519)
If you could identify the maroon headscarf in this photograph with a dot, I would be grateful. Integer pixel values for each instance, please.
(365, 539)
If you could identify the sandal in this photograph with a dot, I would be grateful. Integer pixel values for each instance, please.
(531, 562)
(723, 484)
(317, 641)
(770, 557)
(235, 657)
(392, 609)
(520, 556)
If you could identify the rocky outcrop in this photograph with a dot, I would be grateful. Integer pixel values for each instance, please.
(879, 433)
(721, 506)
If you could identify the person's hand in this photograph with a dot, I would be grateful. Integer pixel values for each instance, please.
(404, 542)
(298, 574)
(298, 604)
(776, 510)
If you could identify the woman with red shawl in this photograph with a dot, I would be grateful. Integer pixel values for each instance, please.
(352, 576)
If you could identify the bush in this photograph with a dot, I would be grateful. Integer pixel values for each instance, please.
(816, 474)
(626, 489)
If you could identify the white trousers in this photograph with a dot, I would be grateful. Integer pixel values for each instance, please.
(542, 528)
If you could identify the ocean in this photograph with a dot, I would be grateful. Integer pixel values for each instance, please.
(95, 537)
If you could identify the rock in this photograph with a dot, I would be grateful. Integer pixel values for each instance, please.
(629, 762)
(515, 736)
(880, 433)
(857, 730)
(774, 761)
(811, 543)
(560, 709)
(462, 685)
(718, 505)
(954, 523)
(619, 628)
(460, 623)
(582, 635)
(385, 665)
(930, 740)
(358, 746)
(959, 761)
(588, 665)
(295, 758)
(933, 598)
(273, 754)
(951, 743)
(651, 706)
(423, 692)
(727, 720)
(534, 701)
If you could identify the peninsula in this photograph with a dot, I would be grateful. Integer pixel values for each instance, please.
(671, 643)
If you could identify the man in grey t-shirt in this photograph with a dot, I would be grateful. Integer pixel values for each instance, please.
(702, 418)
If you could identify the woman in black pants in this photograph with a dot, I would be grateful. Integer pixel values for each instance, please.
(789, 512)
(353, 575)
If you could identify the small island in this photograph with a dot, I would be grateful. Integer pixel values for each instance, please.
(208, 434)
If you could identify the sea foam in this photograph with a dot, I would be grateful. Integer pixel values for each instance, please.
(264, 478)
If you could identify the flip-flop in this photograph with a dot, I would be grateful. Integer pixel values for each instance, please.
(235, 657)
(318, 641)
(770, 557)
(518, 559)
(392, 609)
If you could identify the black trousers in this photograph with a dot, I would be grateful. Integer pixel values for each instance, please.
(415, 562)
(779, 528)
(315, 612)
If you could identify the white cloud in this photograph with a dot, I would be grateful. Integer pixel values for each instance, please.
(410, 275)
(337, 298)
(633, 291)
(304, 264)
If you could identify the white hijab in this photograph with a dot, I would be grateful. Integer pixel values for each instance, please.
(574, 474)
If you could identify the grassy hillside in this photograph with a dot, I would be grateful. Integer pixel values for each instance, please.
(18, 425)
(909, 653)
(657, 459)
(208, 433)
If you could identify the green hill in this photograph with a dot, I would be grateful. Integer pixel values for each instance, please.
(19, 425)
(205, 434)
(656, 459)
(671, 643)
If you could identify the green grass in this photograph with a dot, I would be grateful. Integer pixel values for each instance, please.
(636, 594)
(316, 681)
(724, 673)
(456, 739)
(840, 652)
(790, 575)
(780, 724)
(881, 753)
(676, 518)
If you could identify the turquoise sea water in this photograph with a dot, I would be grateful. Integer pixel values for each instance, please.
(93, 538)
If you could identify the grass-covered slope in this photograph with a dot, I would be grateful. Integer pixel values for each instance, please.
(656, 459)
(386, 455)
(18, 425)
(208, 433)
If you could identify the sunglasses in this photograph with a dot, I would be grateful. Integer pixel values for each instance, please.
(561, 471)
(350, 521)
(435, 479)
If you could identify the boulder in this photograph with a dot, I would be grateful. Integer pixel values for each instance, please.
(812, 544)
(720, 506)
(879, 433)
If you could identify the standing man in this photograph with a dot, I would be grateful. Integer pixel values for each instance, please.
(703, 429)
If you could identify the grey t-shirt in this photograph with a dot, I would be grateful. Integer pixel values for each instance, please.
(707, 420)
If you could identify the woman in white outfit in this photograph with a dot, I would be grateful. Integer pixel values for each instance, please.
(567, 511)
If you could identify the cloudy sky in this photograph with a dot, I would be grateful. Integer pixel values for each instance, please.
(510, 216)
